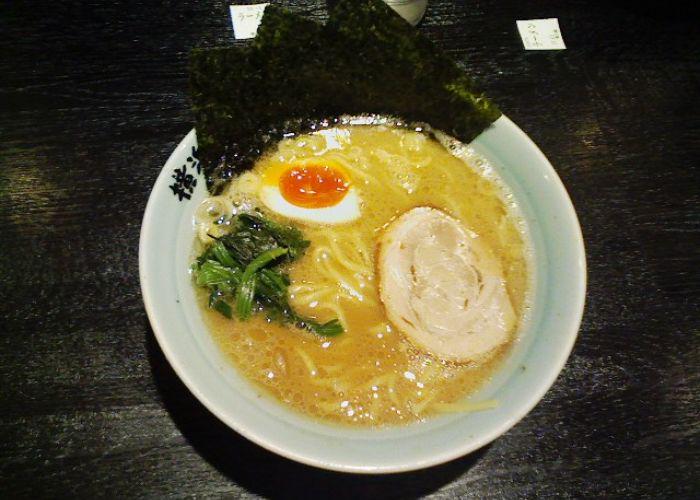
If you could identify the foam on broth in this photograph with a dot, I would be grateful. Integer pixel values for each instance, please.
(370, 375)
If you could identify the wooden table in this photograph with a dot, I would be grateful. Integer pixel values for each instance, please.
(93, 98)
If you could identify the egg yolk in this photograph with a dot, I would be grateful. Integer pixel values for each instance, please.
(313, 186)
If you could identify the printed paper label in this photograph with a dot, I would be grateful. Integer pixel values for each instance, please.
(246, 19)
(541, 34)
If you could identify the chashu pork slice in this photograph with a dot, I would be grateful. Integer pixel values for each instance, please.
(442, 286)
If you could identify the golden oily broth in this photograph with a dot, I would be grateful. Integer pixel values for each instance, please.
(369, 375)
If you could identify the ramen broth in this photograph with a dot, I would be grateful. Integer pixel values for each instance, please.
(370, 375)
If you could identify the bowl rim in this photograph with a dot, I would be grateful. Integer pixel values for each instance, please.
(570, 330)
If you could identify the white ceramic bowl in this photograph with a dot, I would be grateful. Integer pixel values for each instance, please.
(545, 343)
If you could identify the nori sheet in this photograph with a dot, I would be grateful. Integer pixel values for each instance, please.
(298, 73)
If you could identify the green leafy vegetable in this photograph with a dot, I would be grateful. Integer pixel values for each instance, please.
(253, 234)
(286, 236)
(244, 298)
(221, 254)
(328, 329)
(216, 302)
(298, 73)
(272, 285)
(243, 268)
(246, 290)
(262, 260)
(214, 273)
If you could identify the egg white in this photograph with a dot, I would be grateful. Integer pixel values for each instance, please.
(347, 210)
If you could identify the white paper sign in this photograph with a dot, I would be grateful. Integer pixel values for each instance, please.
(246, 19)
(541, 34)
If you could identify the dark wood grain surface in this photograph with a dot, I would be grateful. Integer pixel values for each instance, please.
(93, 99)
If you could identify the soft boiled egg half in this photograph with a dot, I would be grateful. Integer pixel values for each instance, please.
(315, 190)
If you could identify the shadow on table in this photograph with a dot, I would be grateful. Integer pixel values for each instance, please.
(264, 473)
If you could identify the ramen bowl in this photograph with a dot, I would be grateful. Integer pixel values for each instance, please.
(543, 343)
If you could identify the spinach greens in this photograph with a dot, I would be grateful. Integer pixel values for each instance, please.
(242, 272)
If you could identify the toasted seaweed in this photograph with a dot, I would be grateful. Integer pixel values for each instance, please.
(298, 75)
(411, 77)
(245, 99)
